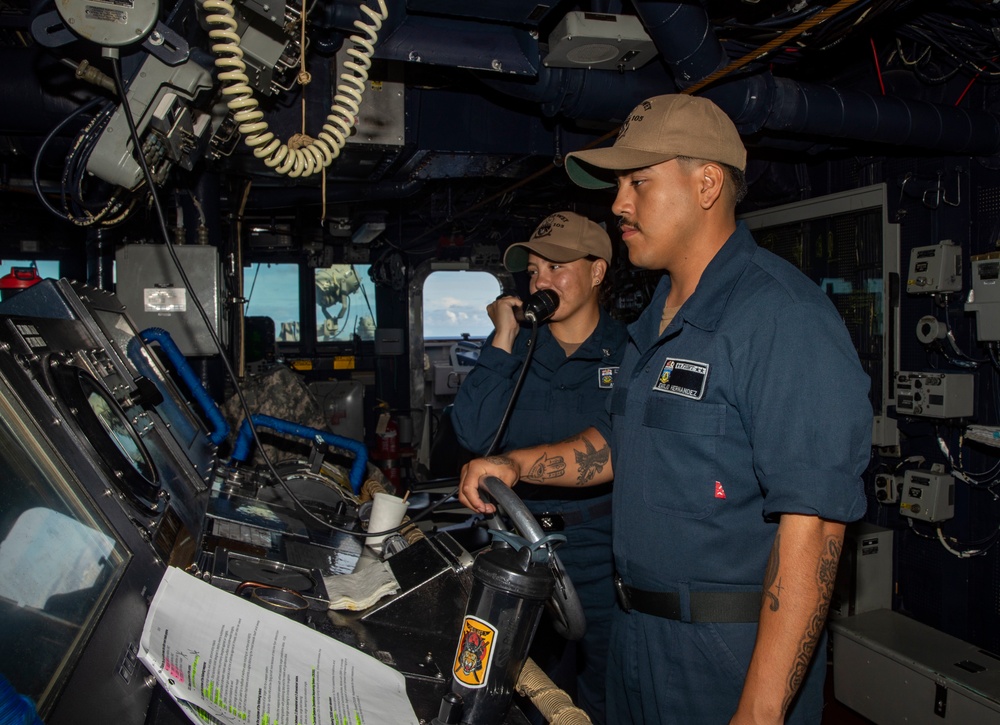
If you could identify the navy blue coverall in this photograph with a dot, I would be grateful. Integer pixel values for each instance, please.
(561, 396)
(751, 404)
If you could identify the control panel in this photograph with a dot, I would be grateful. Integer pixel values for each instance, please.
(887, 487)
(935, 269)
(934, 395)
(984, 297)
(928, 495)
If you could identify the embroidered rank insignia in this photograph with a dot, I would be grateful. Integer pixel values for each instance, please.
(686, 378)
(606, 377)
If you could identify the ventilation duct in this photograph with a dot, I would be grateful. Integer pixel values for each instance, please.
(758, 104)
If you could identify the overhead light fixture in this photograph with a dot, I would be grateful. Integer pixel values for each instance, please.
(599, 41)
(367, 232)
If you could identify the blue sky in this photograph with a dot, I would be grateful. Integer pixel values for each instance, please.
(455, 302)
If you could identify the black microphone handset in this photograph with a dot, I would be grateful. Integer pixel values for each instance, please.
(539, 307)
(536, 309)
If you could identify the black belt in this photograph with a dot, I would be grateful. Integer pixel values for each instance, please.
(559, 520)
(726, 607)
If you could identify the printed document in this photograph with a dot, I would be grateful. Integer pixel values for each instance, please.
(227, 660)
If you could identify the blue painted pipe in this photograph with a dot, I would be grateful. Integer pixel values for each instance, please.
(244, 437)
(15, 708)
(770, 108)
(197, 390)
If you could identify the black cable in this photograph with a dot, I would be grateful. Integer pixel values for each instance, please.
(517, 390)
(137, 145)
(147, 174)
(496, 438)
(35, 167)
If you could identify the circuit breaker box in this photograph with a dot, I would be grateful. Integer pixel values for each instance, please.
(928, 495)
(151, 288)
(864, 575)
(935, 269)
(984, 298)
(934, 395)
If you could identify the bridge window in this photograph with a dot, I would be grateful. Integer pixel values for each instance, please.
(345, 303)
(455, 304)
(45, 268)
(272, 290)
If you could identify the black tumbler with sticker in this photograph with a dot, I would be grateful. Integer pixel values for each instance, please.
(505, 605)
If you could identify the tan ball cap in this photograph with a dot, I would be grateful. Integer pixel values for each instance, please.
(561, 237)
(657, 130)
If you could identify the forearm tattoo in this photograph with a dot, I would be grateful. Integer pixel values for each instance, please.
(771, 580)
(826, 574)
(590, 461)
(544, 468)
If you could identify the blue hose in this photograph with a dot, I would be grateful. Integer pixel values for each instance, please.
(243, 439)
(197, 390)
(16, 709)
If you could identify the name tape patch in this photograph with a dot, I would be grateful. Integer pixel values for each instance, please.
(686, 378)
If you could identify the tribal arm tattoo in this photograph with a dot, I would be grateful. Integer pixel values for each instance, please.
(826, 574)
(771, 580)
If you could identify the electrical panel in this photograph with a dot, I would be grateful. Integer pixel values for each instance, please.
(928, 495)
(887, 487)
(599, 40)
(934, 395)
(173, 129)
(153, 291)
(935, 269)
(864, 575)
(984, 297)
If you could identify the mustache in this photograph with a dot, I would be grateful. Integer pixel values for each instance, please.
(625, 221)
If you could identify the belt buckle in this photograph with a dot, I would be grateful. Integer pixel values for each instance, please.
(550, 522)
(621, 592)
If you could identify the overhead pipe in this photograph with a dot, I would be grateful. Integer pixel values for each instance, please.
(579, 93)
(758, 103)
(763, 101)
(683, 34)
(766, 103)
(38, 105)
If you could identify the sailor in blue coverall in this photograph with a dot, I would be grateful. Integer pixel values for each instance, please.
(740, 429)
(564, 392)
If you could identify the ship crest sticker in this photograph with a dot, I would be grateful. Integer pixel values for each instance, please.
(606, 377)
(475, 652)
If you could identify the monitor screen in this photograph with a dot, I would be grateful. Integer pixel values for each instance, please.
(59, 559)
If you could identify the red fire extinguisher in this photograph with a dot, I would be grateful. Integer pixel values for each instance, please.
(17, 280)
(386, 453)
